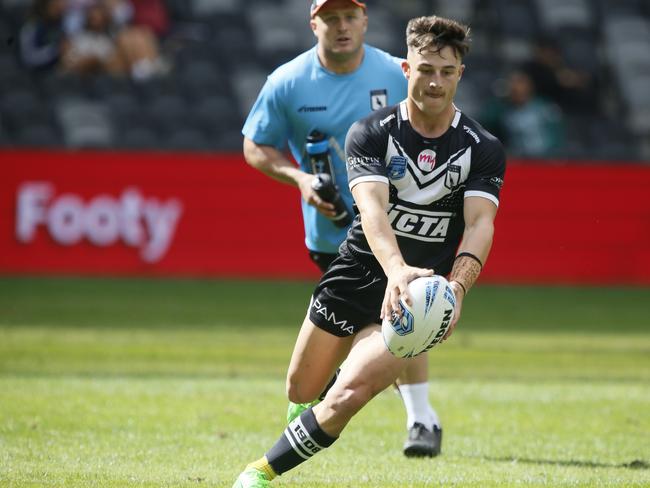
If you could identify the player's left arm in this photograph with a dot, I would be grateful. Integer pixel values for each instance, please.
(473, 251)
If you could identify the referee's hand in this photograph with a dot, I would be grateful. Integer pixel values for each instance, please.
(310, 196)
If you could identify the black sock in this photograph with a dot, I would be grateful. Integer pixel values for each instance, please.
(330, 384)
(301, 440)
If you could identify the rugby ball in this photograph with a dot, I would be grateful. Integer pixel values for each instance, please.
(424, 323)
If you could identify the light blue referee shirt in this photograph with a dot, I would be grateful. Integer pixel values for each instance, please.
(301, 96)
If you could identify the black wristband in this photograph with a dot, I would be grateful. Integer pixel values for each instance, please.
(470, 255)
(462, 286)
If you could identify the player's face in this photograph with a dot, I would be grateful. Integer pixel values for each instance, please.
(433, 78)
(339, 27)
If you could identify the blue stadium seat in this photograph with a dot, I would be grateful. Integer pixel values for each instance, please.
(250, 79)
(608, 8)
(240, 46)
(40, 136)
(85, 123)
(157, 87)
(203, 8)
(21, 107)
(216, 113)
(461, 10)
(187, 139)
(518, 20)
(8, 37)
(167, 113)
(577, 48)
(557, 14)
(222, 51)
(138, 137)
(230, 140)
(201, 78)
(15, 12)
(382, 33)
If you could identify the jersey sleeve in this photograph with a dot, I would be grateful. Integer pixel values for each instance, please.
(267, 122)
(365, 149)
(487, 171)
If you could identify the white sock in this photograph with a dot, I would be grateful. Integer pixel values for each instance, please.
(416, 400)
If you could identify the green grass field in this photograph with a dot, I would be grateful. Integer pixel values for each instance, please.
(145, 383)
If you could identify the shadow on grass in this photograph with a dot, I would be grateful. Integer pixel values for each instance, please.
(636, 464)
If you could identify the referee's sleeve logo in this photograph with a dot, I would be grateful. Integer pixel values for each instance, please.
(378, 99)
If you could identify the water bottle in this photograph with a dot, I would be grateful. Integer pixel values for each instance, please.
(318, 149)
(325, 188)
(324, 183)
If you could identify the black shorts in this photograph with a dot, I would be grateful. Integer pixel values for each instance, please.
(322, 259)
(348, 297)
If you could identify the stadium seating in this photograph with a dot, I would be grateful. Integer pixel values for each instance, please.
(85, 123)
(220, 52)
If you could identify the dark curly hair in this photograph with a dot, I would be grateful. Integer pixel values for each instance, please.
(435, 33)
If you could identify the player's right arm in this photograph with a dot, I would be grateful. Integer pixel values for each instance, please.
(371, 198)
(365, 146)
(274, 164)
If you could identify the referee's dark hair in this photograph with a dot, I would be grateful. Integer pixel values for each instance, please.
(435, 33)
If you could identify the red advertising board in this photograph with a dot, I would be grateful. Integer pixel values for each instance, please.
(162, 214)
(573, 223)
(158, 213)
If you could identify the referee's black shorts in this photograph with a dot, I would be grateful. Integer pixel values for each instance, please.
(322, 259)
(348, 297)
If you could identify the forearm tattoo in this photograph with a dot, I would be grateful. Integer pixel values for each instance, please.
(465, 271)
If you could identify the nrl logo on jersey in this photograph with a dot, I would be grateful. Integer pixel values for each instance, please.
(396, 167)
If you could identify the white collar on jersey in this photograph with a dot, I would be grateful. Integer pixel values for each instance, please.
(405, 115)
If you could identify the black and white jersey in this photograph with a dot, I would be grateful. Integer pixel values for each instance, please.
(428, 178)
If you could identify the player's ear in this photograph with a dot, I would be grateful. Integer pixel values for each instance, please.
(312, 24)
(406, 69)
(461, 71)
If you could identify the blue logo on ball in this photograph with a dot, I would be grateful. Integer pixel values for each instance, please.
(402, 325)
(429, 296)
(449, 296)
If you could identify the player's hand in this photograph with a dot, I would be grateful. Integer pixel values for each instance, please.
(459, 293)
(398, 279)
(310, 196)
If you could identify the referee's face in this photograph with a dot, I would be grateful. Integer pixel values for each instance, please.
(340, 27)
(433, 77)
